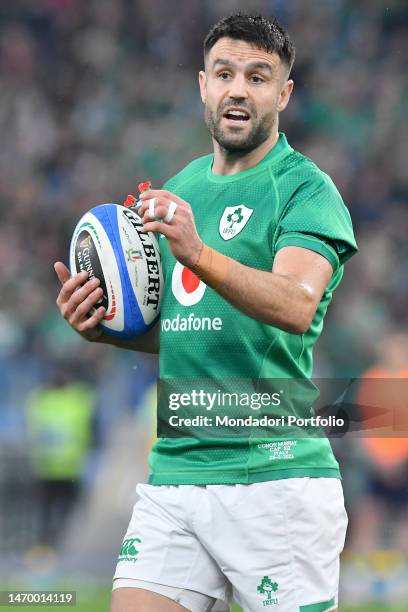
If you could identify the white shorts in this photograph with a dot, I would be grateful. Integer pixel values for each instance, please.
(274, 544)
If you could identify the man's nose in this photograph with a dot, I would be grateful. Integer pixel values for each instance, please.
(238, 87)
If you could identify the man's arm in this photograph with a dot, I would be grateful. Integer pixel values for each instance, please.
(287, 297)
(149, 342)
(76, 299)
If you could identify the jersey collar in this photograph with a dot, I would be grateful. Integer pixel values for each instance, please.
(280, 150)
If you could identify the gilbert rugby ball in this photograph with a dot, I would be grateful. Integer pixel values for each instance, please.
(108, 242)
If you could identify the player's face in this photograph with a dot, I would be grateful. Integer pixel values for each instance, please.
(243, 89)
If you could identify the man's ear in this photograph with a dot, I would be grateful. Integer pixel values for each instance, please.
(285, 95)
(202, 79)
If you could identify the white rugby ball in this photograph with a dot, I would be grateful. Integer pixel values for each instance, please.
(108, 242)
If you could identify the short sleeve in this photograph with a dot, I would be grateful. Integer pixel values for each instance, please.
(316, 218)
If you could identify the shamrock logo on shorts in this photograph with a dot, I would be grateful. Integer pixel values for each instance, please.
(268, 588)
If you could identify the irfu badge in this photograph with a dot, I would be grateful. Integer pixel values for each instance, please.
(233, 220)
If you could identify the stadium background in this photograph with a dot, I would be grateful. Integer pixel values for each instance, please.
(98, 95)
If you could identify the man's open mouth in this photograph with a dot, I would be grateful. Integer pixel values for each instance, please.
(236, 115)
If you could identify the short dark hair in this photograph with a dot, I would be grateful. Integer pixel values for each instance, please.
(262, 32)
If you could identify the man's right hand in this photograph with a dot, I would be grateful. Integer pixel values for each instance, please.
(76, 299)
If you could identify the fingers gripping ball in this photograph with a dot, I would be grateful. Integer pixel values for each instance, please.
(108, 242)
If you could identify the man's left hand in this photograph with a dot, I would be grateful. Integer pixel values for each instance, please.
(178, 227)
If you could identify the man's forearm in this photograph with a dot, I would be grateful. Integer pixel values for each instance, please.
(287, 297)
(146, 343)
(269, 297)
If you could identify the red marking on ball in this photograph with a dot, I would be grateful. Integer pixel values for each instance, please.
(111, 315)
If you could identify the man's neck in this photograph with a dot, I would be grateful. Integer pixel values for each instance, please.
(226, 162)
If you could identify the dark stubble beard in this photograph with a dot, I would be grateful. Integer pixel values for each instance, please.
(233, 143)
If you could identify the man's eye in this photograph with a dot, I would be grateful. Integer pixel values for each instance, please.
(256, 79)
(223, 75)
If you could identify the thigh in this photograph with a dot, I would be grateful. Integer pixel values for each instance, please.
(279, 542)
(161, 548)
(142, 600)
(138, 596)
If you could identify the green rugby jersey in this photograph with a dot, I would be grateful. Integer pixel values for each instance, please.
(285, 200)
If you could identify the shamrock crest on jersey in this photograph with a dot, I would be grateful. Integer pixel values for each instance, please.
(233, 220)
(235, 217)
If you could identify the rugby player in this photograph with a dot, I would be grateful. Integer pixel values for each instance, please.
(253, 242)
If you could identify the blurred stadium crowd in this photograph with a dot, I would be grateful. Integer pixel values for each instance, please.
(99, 95)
